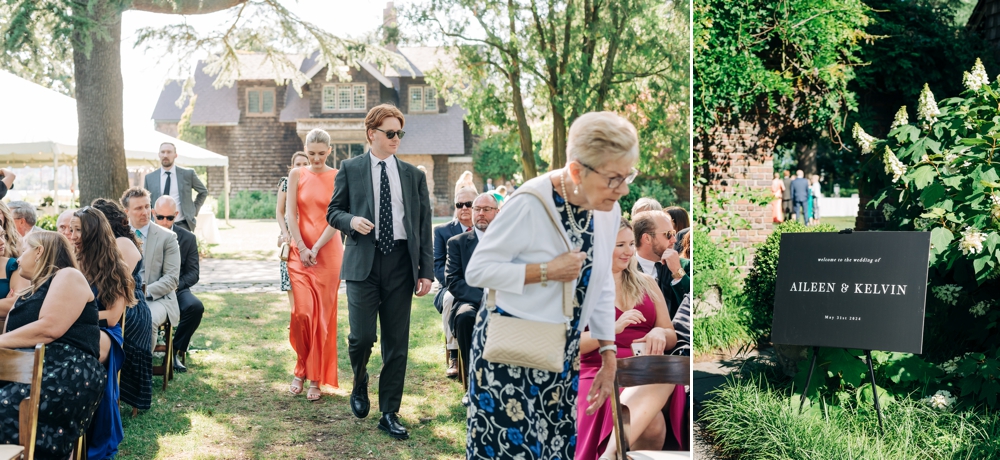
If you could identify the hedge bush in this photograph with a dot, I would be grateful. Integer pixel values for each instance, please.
(759, 284)
(47, 222)
(249, 204)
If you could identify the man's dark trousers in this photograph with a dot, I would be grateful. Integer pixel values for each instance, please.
(800, 211)
(463, 319)
(192, 311)
(387, 293)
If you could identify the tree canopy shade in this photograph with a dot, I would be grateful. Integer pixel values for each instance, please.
(776, 67)
(92, 30)
(519, 62)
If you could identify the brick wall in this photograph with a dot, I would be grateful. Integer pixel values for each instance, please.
(259, 148)
(741, 159)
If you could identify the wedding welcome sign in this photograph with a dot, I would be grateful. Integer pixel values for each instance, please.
(862, 290)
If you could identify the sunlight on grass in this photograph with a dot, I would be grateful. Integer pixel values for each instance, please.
(234, 401)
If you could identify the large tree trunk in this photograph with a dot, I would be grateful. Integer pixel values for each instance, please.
(806, 157)
(558, 139)
(99, 87)
(523, 130)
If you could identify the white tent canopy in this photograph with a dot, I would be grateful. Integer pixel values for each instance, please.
(39, 128)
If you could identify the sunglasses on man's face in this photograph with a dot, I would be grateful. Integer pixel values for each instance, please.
(464, 204)
(159, 217)
(391, 134)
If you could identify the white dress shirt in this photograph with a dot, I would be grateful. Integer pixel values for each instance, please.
(648, 266)
(479, 233)
(175, 189)
(395, 192)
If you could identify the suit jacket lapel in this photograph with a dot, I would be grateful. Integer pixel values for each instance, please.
(366, 177)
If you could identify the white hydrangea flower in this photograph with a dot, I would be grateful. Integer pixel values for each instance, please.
(864, 140)
(887, 210)
(977, 78)
(900, 119)
(941, 400)
(947, 293)
(995, 200)
(980, 308)
(893, 166)
(972, 241)
(927, 109)
(950, 366)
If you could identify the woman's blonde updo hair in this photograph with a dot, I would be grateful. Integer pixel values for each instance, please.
(318, 136)
(598, 137)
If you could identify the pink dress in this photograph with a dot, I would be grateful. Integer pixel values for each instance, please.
(594, 431)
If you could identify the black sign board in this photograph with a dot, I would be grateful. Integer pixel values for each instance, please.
(862, 290)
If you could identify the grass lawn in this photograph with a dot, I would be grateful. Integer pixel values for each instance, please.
(233, 402)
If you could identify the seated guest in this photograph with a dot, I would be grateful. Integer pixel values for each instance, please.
(442, 300)
(641, 318)
(654, 241)
(8, 260)
(467, 299)
(161, 258)
(59, 310)
(106, 269)
(645, 204)
(62, 223)
(137, 369)
(191, 308)
(24, 216)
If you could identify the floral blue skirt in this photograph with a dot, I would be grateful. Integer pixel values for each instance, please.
(519, 412)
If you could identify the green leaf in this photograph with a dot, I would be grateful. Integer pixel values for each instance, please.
(941, 237)
(973, 141)
(991, 241)
(934, 213)
(932, 194)
(953, 181)
(923, 176)
(979, 263)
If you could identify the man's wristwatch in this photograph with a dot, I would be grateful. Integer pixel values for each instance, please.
(679, 273)
(544, 274)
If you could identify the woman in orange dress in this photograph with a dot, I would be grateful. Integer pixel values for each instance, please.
(313, 269)
(777, 190)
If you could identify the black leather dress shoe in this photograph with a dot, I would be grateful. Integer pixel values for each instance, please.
(389, 422)
(178, 365)
(359, 399)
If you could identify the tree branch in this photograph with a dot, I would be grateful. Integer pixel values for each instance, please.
(184, 6)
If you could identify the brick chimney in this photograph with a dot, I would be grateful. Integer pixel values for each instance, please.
(390, 31)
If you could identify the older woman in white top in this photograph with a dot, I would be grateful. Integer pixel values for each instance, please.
(520, 412)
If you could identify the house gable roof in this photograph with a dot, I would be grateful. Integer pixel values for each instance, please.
(434, 133)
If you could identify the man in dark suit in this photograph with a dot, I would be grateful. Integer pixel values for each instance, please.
(489, 186)
(177, 182)
(800, 195)
(654, 243)
(382, 206)
(192, 310)
(467, 298)
(442, 300)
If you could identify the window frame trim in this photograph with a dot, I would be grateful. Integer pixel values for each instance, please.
(336, 97)
(261, 89)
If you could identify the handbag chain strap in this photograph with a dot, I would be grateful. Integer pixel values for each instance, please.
(491, 298)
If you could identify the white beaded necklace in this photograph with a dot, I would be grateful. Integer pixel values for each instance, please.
(575, 227)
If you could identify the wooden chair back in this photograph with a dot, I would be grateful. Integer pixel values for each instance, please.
(25, 367)
(644, 370)
(3, 325)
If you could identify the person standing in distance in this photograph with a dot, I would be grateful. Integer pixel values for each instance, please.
(177, 182)
(383, 206)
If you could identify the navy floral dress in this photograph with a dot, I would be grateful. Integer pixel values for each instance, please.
(525, 413)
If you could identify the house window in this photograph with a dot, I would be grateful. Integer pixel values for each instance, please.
(260, 102)
(345, 98)
(341, 152)
(423, 99)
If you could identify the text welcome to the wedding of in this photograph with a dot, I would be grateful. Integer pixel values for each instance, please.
(863, 290)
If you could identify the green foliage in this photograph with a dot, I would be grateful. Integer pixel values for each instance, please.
(47, 222)
(650, 187)
(749, 419)
(248, 204)
(723, 331)
(716, 266)
(188, 133)
(784, 62)
(759, 284)
(498, 156)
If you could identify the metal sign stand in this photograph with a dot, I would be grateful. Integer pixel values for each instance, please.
(871, 374)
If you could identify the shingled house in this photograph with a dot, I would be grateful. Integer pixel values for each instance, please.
(259, 124)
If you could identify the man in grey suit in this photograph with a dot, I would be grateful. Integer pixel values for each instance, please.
(177, 182)
(381, 204)
(161, 258)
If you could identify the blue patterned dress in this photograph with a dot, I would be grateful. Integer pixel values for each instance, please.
(524, 413)
(286, 284)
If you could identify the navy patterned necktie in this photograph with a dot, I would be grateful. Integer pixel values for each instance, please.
(385, 240)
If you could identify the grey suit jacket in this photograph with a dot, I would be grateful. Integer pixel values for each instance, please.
(186, 180)
(353, 196)
(161, 257)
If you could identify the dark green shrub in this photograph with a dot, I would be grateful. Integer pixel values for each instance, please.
(651, 187)
(759, 284)
(47, 222)
(249, 204)
(714, 266)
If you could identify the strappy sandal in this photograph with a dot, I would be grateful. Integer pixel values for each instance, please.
(296, 389)
(314, 396)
